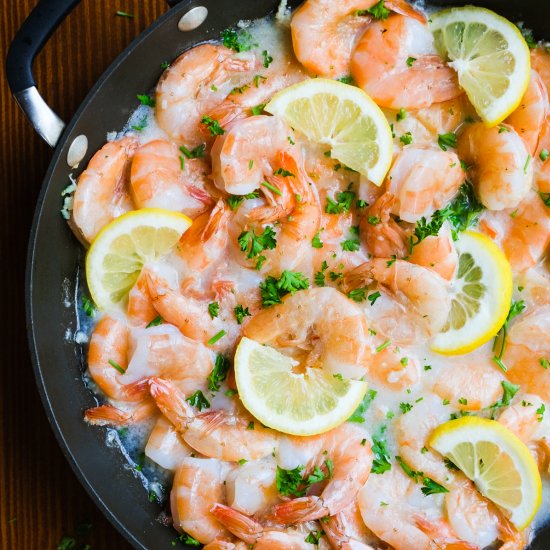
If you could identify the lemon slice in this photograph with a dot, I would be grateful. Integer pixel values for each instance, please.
(496, 460)
(122, 247)
(482, 293)
(299, 404)
(490, 56)
(342, 116)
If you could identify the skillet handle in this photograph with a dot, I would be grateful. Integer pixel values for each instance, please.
(27, 43)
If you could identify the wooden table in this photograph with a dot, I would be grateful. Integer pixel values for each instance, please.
(41, 501)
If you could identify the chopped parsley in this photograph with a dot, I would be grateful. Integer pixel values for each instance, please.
(142, 124)
(196, 153)
(383, 346)
(319, 277)
(116, 366)
(446, 140)
(544, 154)
(381, 458)
(378, 11)
(184, 538)
(234, 201)
(272, 188)
(358, 294)
(258, 109)
(219, 373)
(267, 59)
(88, 306)
(544, 363)
(213, 126)
(345, 79)
(240, 313)
(401, 114)
(314, 537)
(241, 41)
(272, 289)
(406, 138)
(125, 14)
(373, 297)
(198, 400)
(290, 482)
(147, 100)
(253, 244)
(405, 407)
(158, 320)
(350, 245)
(361, 203)
(214, 309)
(316, 242)
(342, 203)
(410, 61)
(515, 309)
(216, 337)
(362, 408)
(540, 412)
(527, 35)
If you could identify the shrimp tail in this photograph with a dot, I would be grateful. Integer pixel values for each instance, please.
(237, 523)
(298, 510)
(404, 8)
(220, 544)
(359, 277)
(106, 415)
(443, 537)
(136, 391)
(217, 221)
(171, 402)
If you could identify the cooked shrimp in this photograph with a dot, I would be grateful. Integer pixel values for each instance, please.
(394, 368)
(347, 531)
(441, 534)
(524, 418)
(531, 113)
(251, 488)
(298, 228)
(437, 252)
(527, 348)
(324, 33)
(197, 486)
(244, 156)
(107, 415)
(165, 352)
(108, 356)
(542, 162)
(383, 235)
(423, 292)
(140, 306)
(165, 446)
(160, 179)
(191, 315)
(423, 179)
(476, 383)
(388, 503)
(318, 327)
(540, 62)
(198, 81)
(257, 535)
(379, 65)
(204, 243)
(241, 101)
(102, 193)
(501, 166)
(348, 471)
(217, 433)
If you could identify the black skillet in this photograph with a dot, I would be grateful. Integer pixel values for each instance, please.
(54, 255)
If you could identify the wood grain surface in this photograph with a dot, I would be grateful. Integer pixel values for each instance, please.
(41, 501)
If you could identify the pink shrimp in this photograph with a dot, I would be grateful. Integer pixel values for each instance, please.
(140, 306)
(531, 113)
(198, 485)
(216, 433)
(257, 535)
(161, 179)
(423, 179)
(437, 252)
(205, 242)
(383, 235)
(324, 33)
(347, 531)
(198, 81)
(379, 65)
(348, 471)
(108, 356)
(101, 193)
(244, 155)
